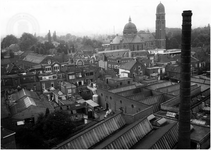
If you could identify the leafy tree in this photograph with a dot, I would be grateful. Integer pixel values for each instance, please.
(63, 47)
(58, 125)
(26, 41)
(49, 36)
(26, 138)
(8, 40)
(54, 36)
(48, 46)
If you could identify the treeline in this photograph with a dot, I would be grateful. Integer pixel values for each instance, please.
(50, 44)
(200, 37)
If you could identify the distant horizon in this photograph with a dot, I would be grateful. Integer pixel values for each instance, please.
(92, 34)
(94, 17)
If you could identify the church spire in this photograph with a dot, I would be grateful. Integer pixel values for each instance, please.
(129, 19)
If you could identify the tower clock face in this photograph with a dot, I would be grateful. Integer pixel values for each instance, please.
(49, 61)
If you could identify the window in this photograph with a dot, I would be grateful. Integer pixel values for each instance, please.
(71, 76)
(48, 69)
(120, 83)
(128, 82)
(110, 98)
(52, 84)
(56, 67)
(120, 102)
(43, 85)
(132, 106)
(35, 87)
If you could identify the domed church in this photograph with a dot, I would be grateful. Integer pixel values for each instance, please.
(134, 40)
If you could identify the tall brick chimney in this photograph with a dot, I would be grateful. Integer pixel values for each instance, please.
(185, 82)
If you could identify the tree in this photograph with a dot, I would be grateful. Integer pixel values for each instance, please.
(26, 41)
(49, 36)
(58, 125)
(26, 138)
(8, 40)
(54, 36)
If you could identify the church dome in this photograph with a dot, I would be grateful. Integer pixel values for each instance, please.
(130, 28)
(160, 9)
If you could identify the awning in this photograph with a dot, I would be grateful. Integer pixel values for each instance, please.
(92, 103)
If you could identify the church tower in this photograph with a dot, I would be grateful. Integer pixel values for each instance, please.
(160, 35)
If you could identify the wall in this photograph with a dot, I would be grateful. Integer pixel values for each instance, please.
(115, 102)
(129, 118)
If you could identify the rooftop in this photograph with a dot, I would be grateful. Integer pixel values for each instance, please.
(128, 65)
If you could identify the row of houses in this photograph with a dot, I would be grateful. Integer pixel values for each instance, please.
(45, 76)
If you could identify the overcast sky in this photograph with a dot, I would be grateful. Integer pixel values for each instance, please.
(88, 17)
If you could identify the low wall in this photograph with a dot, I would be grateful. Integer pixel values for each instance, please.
(130, 118)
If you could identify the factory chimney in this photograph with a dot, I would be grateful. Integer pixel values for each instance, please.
(185, 82)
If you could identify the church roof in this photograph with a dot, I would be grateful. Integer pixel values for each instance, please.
(128, 38)
(160, 9)
(133, 38)
(130, 28)
(137, 39)
(117, 39)
(147, 37)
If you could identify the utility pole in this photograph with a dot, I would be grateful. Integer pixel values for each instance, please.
(185, 82)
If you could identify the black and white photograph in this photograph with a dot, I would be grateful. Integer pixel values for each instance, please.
(105, 74)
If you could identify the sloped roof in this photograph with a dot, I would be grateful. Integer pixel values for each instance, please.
(117, 39)
(146, 36)
(35, 58)
(133, 38)
(128, 65)
(128, 38)
(27, 102)
(22, 104)
(11, 68)
(137, 39)
(23, 93)
(67, 84)
(26, 53)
